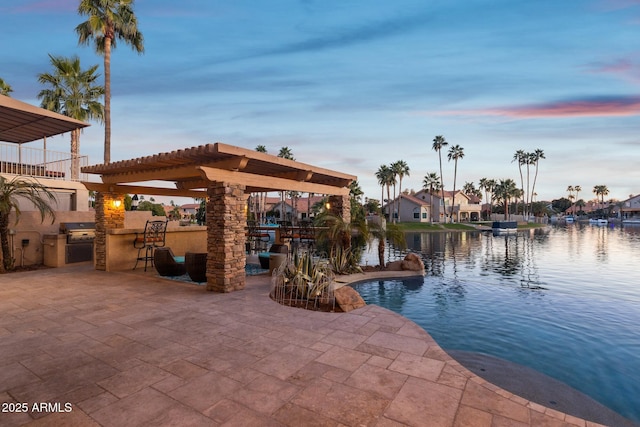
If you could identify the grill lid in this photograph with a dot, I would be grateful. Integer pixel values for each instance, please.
(68, 227)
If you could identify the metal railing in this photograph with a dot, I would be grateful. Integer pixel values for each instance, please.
(19, 160)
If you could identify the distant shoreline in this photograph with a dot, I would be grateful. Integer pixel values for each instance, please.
(459, 227)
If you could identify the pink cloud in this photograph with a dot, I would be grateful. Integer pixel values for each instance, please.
(598, 107)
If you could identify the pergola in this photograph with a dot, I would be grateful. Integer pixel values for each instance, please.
(223, 174)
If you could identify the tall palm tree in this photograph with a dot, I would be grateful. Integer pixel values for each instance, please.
(391, 181)
(72, 92)
(521, 157)
(262, 197)
(431, 181)
(456, 152)
(577, 189)
(536, 156)
(381, 176)
(285, 153)
(488, 185)
(438, 144)
(5, 88)
(11, 191)
(570, 190)
(108, 21)
(401, 169)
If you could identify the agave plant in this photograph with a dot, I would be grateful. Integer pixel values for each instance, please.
(344, 261)
(306, 278)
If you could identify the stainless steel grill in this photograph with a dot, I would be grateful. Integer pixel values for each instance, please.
(78, 232)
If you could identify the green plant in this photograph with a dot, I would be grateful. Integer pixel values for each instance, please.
(11, 191)
(306, 278)
(344, 261)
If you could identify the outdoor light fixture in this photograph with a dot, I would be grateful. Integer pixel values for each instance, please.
(134, 202)
(117, 203)
(327, 205)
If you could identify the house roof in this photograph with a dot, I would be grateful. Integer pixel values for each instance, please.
(191, 170)
(414, 200)
(21, 122)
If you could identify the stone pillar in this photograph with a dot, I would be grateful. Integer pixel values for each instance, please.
(226, 222)
(109, 214)
(341, 206)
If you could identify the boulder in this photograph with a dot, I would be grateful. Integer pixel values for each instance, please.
(348, 298)
(394, 266)
(412, 262)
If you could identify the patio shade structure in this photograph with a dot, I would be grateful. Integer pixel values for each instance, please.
(225, 175)
(21, 122)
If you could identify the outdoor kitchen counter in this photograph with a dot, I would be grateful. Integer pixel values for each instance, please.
(121, 255)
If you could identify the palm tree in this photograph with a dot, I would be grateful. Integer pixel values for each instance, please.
(5, 88)
(390, 180)
(488, 185)
(11, 191)
(438, 143)
(431, 182)
(262, 197)
(505, 190)
(570, 190)
(382, 176)
(286, 153)
(535, 157)
(401, 169)
(355, 197)
(72, 92)
(601, 190)
(456, 152)
(470, 189)
(521, 157)
(108, 20)
(577, 189)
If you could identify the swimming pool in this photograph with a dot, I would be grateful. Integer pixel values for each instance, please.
(564, 301)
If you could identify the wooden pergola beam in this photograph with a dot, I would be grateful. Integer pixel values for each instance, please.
(267, 183)
(143, 189)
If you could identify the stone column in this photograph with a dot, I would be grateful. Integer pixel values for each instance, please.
(109, 214)
(341, 206)
(226, 222)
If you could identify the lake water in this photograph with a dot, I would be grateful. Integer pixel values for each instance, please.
(564, 301)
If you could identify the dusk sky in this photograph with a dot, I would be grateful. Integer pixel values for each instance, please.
(353, 84)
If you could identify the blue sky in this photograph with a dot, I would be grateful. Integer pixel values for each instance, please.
(353, 84)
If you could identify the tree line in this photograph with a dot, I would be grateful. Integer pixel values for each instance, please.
(504, 191)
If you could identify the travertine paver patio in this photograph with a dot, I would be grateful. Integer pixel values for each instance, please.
(126, 349)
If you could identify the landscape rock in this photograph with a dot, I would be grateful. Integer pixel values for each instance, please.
(348, 298)
(394, 266)
(412, 262)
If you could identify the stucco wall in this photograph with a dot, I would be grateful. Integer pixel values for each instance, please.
(121, 255)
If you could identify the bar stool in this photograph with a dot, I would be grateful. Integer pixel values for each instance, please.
(153, 237)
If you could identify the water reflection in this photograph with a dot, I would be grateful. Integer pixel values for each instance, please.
(537, 298)
(508, 255)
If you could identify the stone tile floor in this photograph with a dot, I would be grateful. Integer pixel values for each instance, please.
(126, 349)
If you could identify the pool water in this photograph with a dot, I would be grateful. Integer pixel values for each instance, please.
(564, 301)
